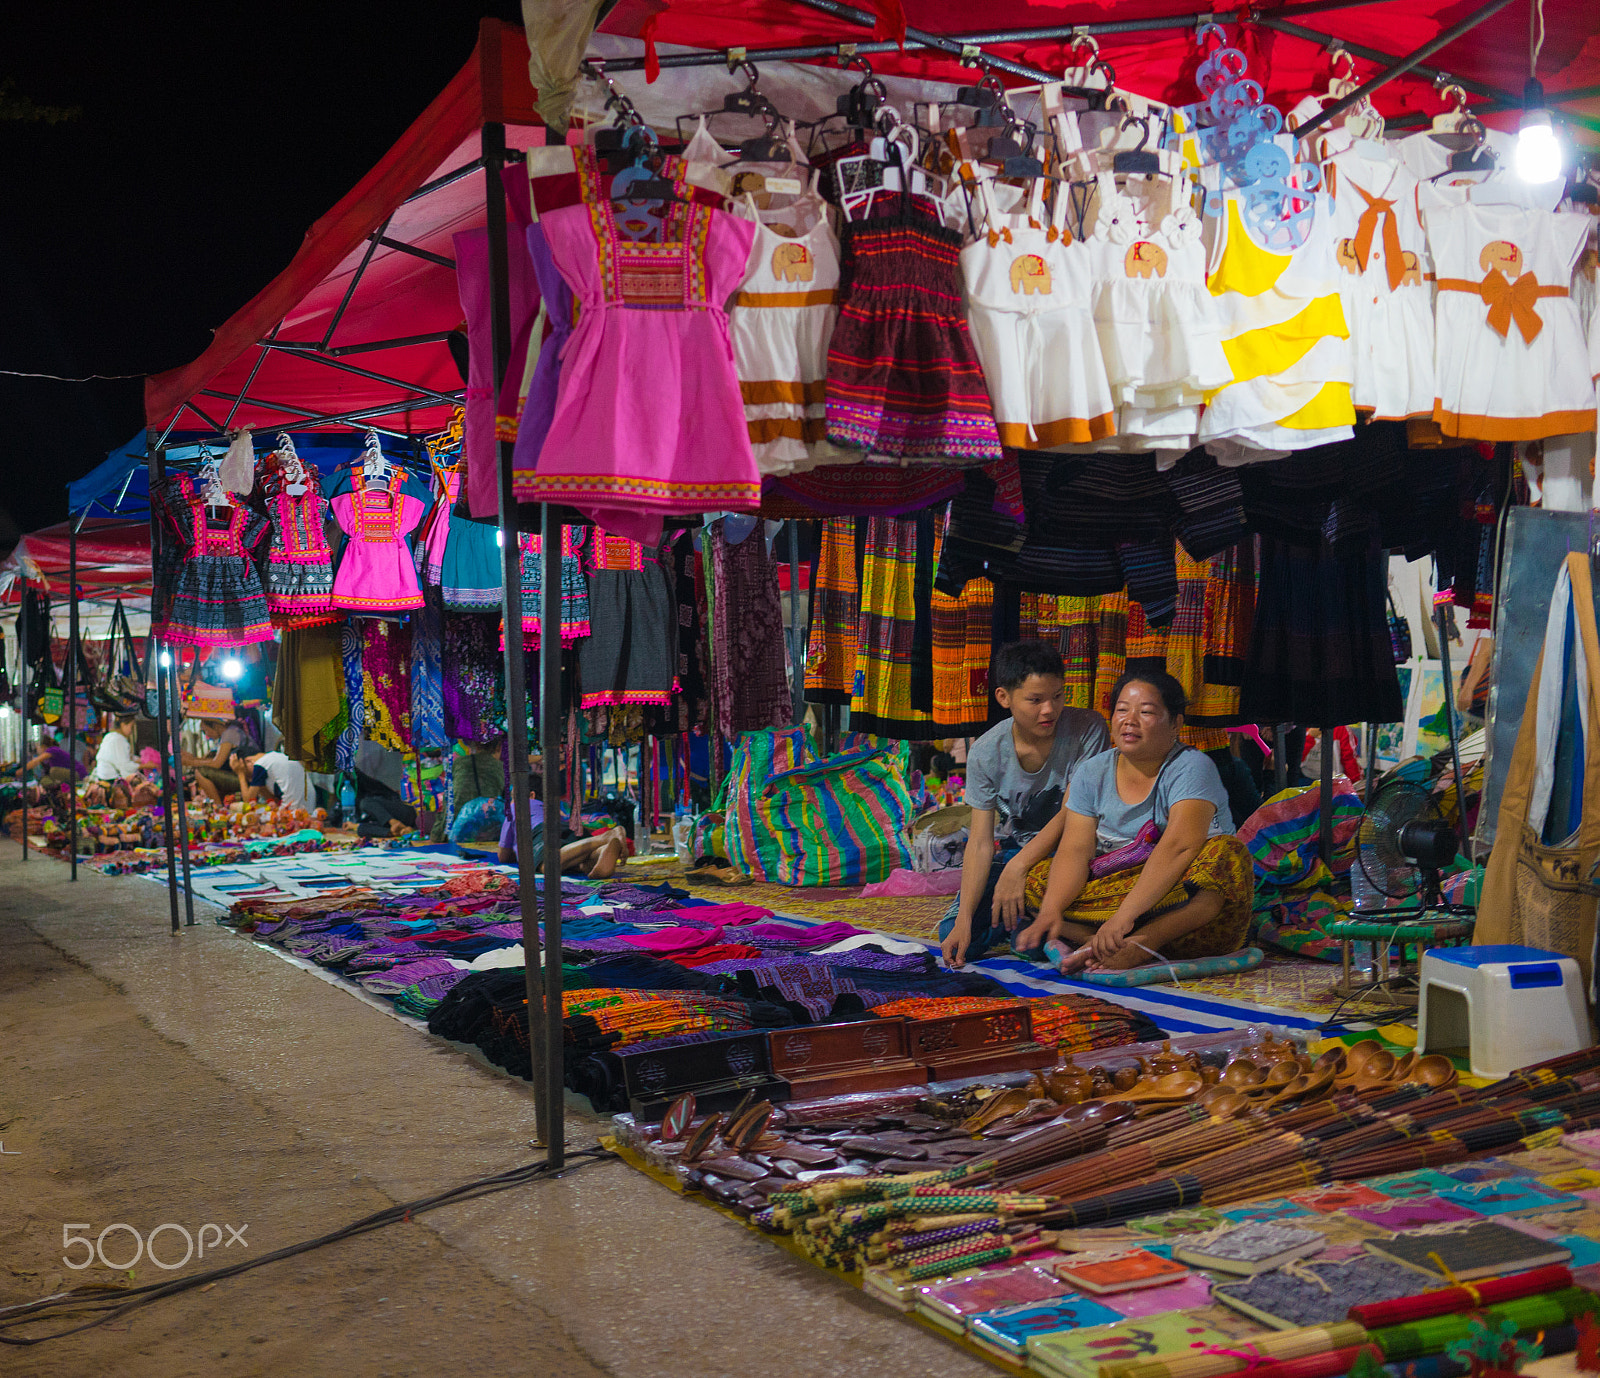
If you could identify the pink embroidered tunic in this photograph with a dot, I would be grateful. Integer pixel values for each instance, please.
(376, 572)
(648, 419)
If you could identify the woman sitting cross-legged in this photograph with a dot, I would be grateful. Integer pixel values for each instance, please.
(1147, 868)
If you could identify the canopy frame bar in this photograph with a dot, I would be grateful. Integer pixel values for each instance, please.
(426, 254)
(355, 278)
(317, 356)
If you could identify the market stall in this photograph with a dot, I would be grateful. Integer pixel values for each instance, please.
(753, 403)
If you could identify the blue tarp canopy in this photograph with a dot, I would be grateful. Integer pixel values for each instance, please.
(121, 484)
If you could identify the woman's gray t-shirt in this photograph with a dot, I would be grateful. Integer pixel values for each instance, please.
(1188, 774)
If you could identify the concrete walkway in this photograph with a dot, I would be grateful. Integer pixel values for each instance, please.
(149, 1078)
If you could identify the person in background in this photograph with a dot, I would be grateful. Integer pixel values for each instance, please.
(1017, 775)
(52, 761)
(380, 811)
(1174, 883)
(213, 776)
(595, 857)
(274, 775)
(116, 769)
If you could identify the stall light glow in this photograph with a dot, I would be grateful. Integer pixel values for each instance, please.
(166, 658)
(5, 711)
(1538, 155)
(232, 668)
(499, 537)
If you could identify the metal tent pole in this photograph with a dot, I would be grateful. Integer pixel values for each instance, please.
(1441, 620)
(22, 679)
(175, 765)
(797, 645)
(551, 724)
(1325, 800)
(72, 694)
(155, 459)
(494, 159)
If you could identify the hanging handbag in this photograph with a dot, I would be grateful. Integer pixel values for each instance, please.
(1534, 892)
(122, 690)
(1399, 632)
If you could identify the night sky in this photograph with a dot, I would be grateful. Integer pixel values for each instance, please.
(207, 143)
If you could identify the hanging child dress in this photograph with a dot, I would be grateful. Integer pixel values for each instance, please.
(1382, 254)
(782, 319)
(1159, 329)
(574, 588)
(560, 315)
(1285, 337)
(648, 419)
(1029, 293)
(631, 655)
(299, 574)
(1512, 360)
(217, 599)
(903, 376)
(376, 571)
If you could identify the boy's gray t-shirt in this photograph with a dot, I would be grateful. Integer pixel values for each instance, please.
(1188, 774)
(1023, 804)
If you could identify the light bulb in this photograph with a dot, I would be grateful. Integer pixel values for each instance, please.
(231, 668)
(1538, 156)
(166, 659)
(499, 537)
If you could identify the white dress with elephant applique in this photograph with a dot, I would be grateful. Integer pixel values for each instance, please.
(1030, 301)
(781, 320)
(1159, 327)
(1512, 362)
(1384, 285)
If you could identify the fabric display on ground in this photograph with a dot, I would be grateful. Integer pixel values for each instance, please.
(658, 964)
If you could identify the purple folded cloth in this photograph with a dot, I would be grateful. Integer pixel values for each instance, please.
(396, 979)
(1134, 853)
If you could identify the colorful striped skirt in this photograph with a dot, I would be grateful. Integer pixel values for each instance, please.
(1223, 865)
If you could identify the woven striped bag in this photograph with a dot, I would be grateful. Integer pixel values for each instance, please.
(795, 819)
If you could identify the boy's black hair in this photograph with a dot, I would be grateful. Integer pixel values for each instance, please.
(1173, 699)
(1015, 662)
(942, 764)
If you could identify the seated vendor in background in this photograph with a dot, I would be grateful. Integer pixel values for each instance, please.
(1176, 884)
(1017, 775)
(272, 776)
(213, 776)
(118, 772)
(595, 857)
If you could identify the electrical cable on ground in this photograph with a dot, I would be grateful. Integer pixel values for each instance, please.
(112, 1303)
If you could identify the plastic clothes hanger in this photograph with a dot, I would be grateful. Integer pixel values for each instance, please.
(375, 467)
(212, 493)
(294, 472)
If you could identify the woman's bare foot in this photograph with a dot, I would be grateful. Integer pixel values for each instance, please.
(397, 828)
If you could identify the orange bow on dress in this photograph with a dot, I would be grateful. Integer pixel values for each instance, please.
(1507, 301)
(1378, 209)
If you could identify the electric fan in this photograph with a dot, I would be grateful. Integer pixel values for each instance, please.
(1404, 842)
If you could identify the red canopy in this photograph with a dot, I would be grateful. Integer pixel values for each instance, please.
(401, 293)
(1160, 63)
(113, 557)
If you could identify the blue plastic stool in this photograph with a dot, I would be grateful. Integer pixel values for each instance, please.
(1509, 1006)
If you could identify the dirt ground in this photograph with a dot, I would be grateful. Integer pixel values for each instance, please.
(151, 1079)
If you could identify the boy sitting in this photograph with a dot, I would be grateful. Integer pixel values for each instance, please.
(1017, 776)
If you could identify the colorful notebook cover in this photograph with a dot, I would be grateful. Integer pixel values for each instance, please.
(1251, 1248)
(1317, 1293)
(1425, 1182)
(1002, 1289)
(1474, 1251)
(1331, 1200)
(1081, 1353)
(1011, 1330)
(1123, 1273)
(1521, 1196)
(1396, 1216)
(1197, 1220)
(1585, 1251)
(1267, 1210)
(1487, 1170)
(1189, 1295)
(1576, 1180)
(1585, 1141)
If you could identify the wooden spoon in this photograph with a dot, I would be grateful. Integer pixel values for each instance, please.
(1240, 1073)
(1434, 1070)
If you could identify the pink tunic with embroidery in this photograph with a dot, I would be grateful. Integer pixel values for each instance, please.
(376, 572)
(649, 419)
